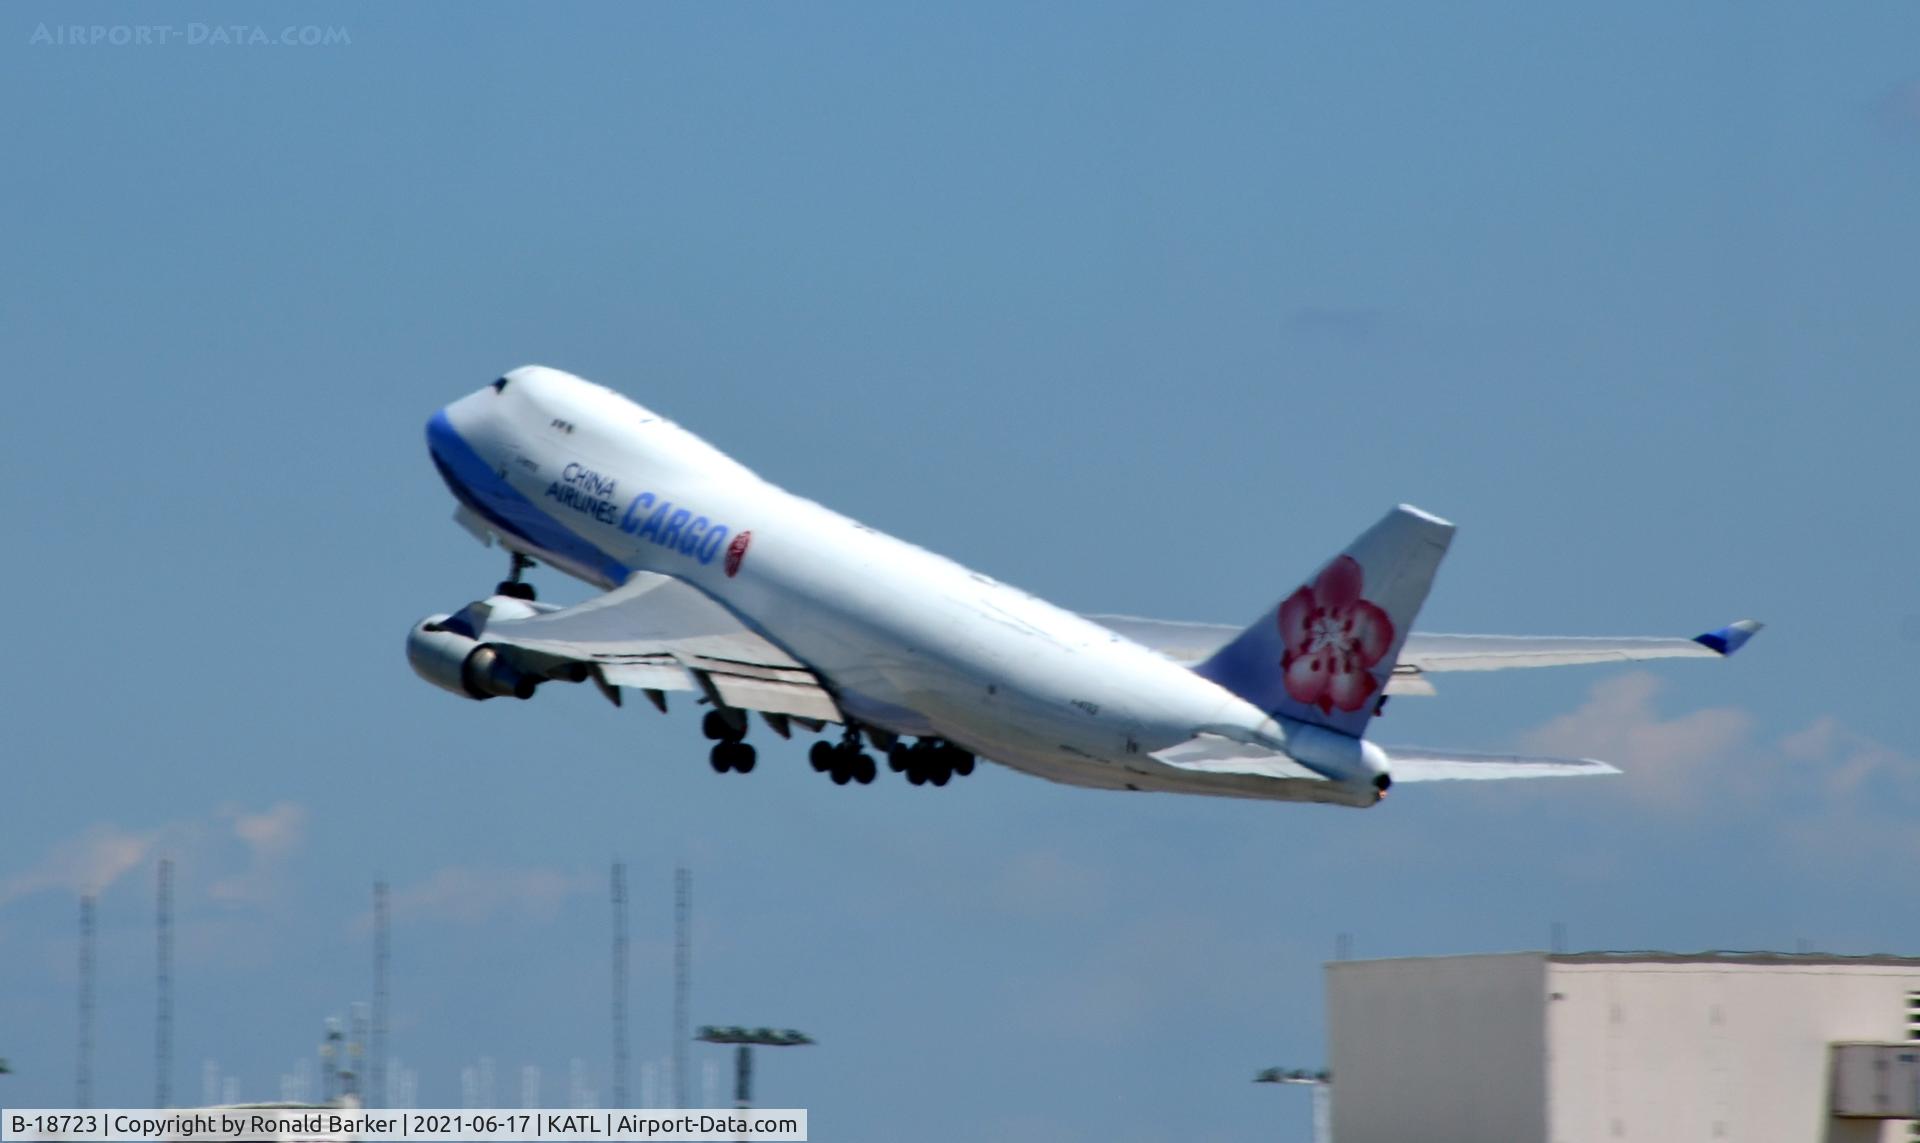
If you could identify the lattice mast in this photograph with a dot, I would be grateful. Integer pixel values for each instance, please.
(682, 979)
(83, 1060)
(163, 986)
(619, 1010)
(376, 1086)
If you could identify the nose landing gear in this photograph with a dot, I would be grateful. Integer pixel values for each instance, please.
(513, 586)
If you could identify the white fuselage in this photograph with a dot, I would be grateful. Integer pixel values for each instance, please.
(906, 640)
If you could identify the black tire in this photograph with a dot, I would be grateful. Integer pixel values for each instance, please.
(821, 756)
(715, 726)
(720, 758)
(940, 776)
(865, 771)
(842, 775)
(962, 763)
(917, 777)
(897, 756)
(744, 757)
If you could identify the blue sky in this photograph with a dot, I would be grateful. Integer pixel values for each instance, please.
(1144, 309)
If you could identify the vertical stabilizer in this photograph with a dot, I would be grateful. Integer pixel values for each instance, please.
(1323, 655)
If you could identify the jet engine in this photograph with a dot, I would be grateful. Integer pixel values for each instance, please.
(457, 662)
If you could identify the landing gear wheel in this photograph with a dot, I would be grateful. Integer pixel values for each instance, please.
(940, 775)
(897, 757)
(821, 756)
(715, 726)
(736, 756)
(865, 771)
(842, 774)
(513, 586)
(963, 761)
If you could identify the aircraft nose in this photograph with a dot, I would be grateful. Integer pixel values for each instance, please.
(442, 437)
(458, 420)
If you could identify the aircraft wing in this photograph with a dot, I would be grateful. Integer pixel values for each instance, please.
(1498, 652)
(1190, 643)
(1414, 764)
(659, 634)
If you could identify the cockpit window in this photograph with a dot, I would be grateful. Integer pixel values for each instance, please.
(500, 386)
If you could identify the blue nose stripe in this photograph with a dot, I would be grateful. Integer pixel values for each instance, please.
(481, 488)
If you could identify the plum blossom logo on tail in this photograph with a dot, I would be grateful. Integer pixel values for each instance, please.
(736, 552)
(1334, 638)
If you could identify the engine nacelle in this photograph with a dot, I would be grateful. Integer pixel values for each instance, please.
(464, 665)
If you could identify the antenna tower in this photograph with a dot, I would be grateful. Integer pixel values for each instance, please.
(83, 1068)
(376, 1087)
(163, 982)
(682, 978)
(619, 985)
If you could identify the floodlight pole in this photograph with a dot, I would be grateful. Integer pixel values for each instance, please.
(744, 1040)
(1322, 1084)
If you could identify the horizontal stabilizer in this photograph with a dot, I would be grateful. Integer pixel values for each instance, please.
(1212, 754)
(1414, 764)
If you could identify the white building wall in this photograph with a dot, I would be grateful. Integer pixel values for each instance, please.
(1438, 1049)
(1693, 1050)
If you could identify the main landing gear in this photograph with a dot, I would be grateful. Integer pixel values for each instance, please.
(730, 751)
(844, 761)
(929, 760)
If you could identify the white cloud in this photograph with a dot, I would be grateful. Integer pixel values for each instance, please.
(1849, 762)
(1834, 792)
(1670, 761)
(270, 836)
(99, 857)
(89, 863)
(469, 895)
(273, 833)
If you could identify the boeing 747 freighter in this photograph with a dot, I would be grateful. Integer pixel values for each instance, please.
(754, 599)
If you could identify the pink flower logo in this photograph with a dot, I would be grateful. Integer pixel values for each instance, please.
(736, 552)
(1334, 638)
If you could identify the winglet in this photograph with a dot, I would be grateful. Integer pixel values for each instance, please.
(1730, 638)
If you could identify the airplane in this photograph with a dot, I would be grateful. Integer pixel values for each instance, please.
(755, 599)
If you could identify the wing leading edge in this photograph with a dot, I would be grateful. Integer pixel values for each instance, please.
(1191, 643)
(659, 634)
